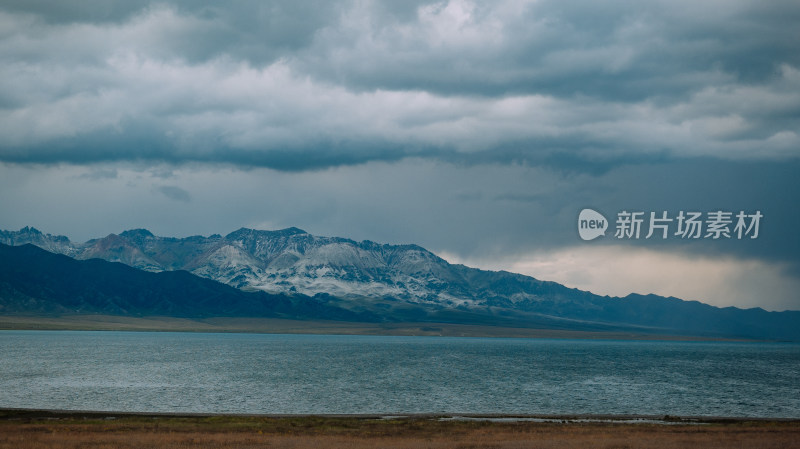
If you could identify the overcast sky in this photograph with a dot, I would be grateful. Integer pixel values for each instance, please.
(478, 130)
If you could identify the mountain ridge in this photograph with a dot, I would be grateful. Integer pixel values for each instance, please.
(402, 282)
(34, 281)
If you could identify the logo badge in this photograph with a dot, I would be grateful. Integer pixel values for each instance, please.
(591, 224)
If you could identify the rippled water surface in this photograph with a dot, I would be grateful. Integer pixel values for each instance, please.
(250, 373)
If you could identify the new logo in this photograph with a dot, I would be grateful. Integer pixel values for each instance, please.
(591, 224)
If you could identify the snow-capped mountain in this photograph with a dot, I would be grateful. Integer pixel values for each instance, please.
(285, 261)
(58, 244)
(399, 283)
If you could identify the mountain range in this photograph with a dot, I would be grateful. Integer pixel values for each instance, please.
(35, 281)
(370, 281)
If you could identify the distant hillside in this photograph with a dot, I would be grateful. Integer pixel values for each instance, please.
(37, 282)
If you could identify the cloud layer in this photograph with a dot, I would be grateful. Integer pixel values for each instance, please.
(297, 86)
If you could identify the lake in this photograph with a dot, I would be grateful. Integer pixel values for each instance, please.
(314, 374)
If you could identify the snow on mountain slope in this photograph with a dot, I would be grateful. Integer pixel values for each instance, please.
(284, 261)
(54, 243)
(114, 248)
(229, 264)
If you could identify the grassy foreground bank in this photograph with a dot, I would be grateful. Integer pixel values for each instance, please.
(63, 430)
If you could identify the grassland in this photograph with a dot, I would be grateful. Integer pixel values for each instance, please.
(285, 326)
(29, 430)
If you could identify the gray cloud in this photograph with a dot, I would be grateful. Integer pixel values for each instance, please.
(613, 50)
(175, 193)
(100, 174)
(297, 86)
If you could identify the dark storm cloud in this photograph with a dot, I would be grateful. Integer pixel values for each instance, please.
(707, 185)
(93, 11)
(258, 32)
(621, 51)
(530, 210)
(578, 86)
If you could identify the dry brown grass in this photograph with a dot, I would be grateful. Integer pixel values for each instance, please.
(284, 326)
(357, 433)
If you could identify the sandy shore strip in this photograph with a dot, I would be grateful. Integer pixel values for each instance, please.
(25, 429)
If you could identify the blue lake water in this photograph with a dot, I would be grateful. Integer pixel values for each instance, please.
(256, 373)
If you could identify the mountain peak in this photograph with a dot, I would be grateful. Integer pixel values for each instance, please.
(240, 233)
(28, 234)
(29, 230)
(137, 233)
(245, 232)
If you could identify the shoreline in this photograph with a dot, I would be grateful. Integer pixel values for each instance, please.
(55, 414)
(30, 429)
(224, 325)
